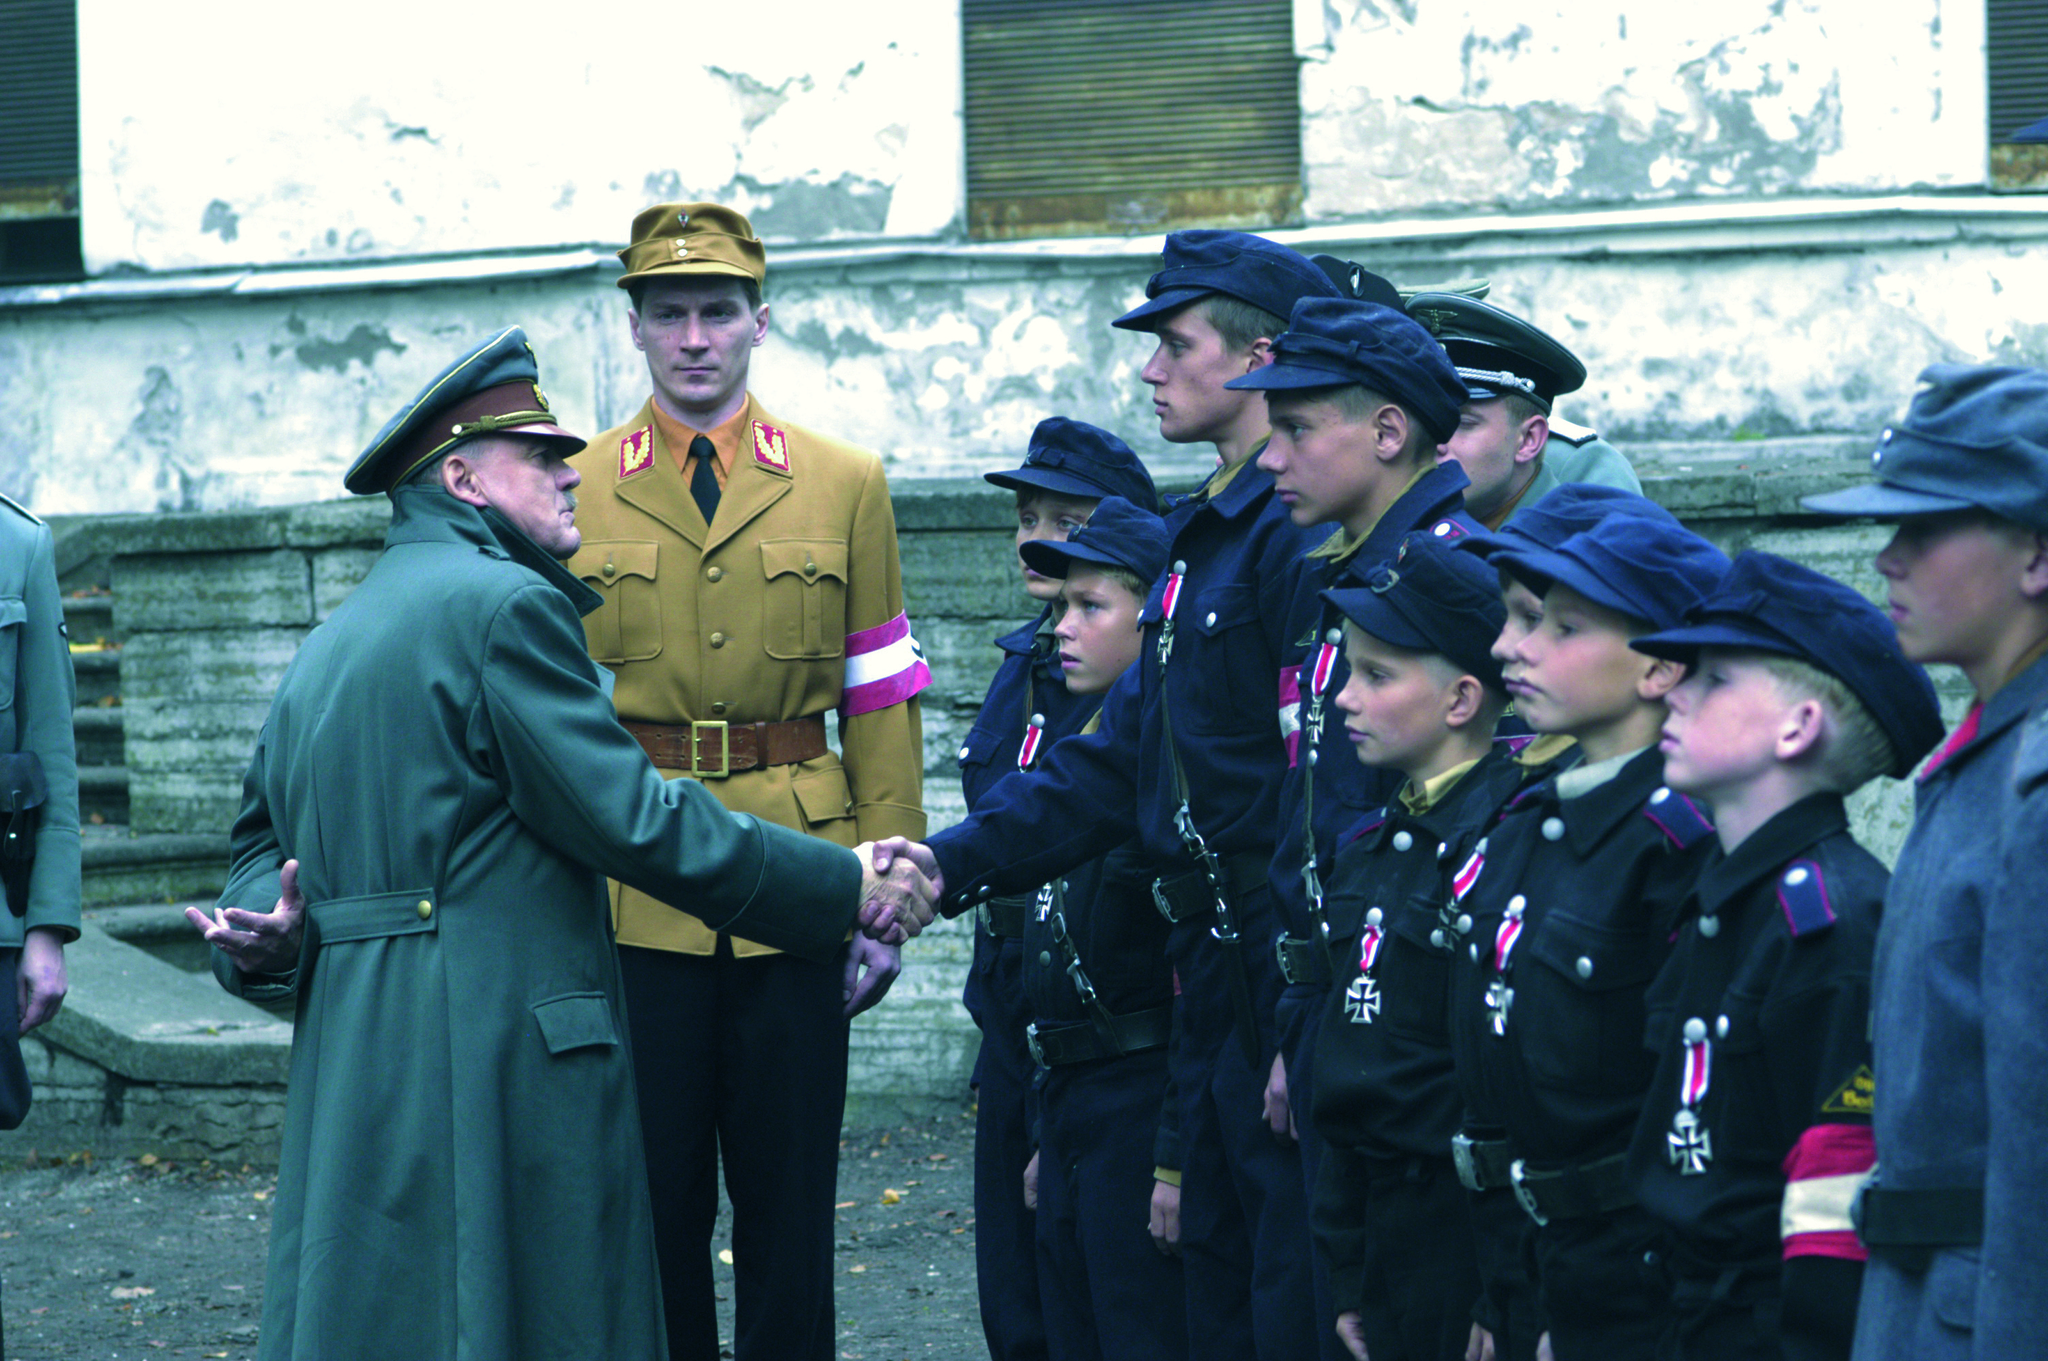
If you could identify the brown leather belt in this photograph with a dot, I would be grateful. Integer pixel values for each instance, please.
(712, 751)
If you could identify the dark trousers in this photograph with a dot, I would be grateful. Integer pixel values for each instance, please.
(1503, 1238)
(741, 1061)
(1005, 1233)
(1421, 1272)
(1606, 1285)
(1110, 1294)
(1300, 1052)
(1243, 1210)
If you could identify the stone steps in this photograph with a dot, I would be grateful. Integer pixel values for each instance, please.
(160, 867)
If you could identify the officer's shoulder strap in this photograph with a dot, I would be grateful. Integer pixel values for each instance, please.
(1803, 897)
(1579, 435)
(1678, 817)
(19, 509)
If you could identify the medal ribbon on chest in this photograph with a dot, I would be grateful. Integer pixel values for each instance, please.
(1169, 601)
(1499, 996)
(1034, 737)
(1362, 998)
(1690, 1147)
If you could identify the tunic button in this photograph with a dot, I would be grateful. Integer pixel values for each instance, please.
(1402, 841)
(1475, 952)
(1516, 904)
(1335, 637)
(810, 569)
(610, 570)
(719, 706)
(1375, 917)
(1443, 848)
(1464, 923)
(1553, 829)
(1481, 847)
(1662, 794)
(1045, 958)
(714, 574)
(1436, 938)
(1211, 621)
(1695, 1030)
(1584, 966)
(1710, 927)
(1795, 877)
(718, 640)
(963, 753)
(1721, 1028)
(425, 909)
(1442, 529)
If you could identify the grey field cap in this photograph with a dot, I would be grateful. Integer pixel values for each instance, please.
(1974, 436)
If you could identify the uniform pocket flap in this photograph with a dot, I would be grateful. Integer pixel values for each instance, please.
(623, 558)
(1225, 608)
(407, 912)
(806, 558)
(576, 1020)
(13, 610)
(1597, 958)
(823, 795)
(979, 748)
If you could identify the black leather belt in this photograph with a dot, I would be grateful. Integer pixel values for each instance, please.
(1919, 1218)
(1483, 1164)
(1184, 897)
(1573, 1192)
(1005, 916)
(1134, 1032)
(1303, 963)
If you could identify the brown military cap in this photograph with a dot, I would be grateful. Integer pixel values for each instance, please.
(692, 238)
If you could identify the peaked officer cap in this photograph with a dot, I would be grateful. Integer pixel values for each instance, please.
(1497, 352)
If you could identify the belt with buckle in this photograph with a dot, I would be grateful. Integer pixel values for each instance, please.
(1594, 1188)
(1918, 1218)
(1005, 916)
(1183, 897)
(1134, 1032)
(1483, 1164)
(1303, 963)
(714, 750)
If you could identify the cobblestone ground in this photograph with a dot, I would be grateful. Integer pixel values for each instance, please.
(143, 1258)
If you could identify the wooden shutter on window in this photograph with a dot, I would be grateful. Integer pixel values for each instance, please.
(2016, 67)
(38, 103)
(1113, 116)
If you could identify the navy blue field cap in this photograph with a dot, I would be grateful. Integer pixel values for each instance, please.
(1975, 436)
(1118, 534)
(1354, 280)
(1250, 268)
(1334, 341)
(1649, 571)
(1562, 512)
(1430, 598)
(1766, 603)
(1496, 352)
(1073, 458)
(492, 390)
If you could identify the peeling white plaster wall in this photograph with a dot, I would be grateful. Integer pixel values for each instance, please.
(232, 132)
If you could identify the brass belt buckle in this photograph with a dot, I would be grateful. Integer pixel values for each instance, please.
(724, 730)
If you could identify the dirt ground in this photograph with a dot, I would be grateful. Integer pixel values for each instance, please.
(143, 1258)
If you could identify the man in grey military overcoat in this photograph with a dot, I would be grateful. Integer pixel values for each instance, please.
(439, 792)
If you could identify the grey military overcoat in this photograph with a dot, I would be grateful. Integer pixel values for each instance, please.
(461, 1173)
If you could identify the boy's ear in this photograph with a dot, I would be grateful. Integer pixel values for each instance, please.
(1260, 354)
(1801, 730)
(1390, 432)
(1467, 702)
(1659, 678)
(2034, 576)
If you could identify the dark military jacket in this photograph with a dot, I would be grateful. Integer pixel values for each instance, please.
(461, 1171)
(37, 695)
(1597, 882)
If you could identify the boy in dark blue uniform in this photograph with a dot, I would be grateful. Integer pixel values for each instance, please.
(1101, 996)
(1189, 759)
(1070, 467)
(1359, 397)
(1576, 893)
(1758, 1124)
(1421, 702)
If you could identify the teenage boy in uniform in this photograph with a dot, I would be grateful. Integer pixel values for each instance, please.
(1421, 703)
(1758, 1124)
(1359, 397)
(1510, 444)
(1101, 999)
(1189, 759)
(1953, 1217)
(1576, 893)
(1069, 467)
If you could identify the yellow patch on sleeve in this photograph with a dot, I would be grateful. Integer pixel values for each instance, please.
(1857, 1096)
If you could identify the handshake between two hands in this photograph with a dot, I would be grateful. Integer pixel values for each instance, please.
(900, 889)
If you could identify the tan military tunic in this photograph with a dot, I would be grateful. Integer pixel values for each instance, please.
(750, 620)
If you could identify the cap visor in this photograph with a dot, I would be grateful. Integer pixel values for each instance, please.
(549, 431)
(1046, 479)
(1284, 377)
(1147, 313)
(1371, 612)
(1683, 644)
(1056, 559)
(1882, 500)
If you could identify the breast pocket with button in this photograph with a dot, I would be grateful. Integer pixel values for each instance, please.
(13, 614)
(627, 626)
(803, 610)
(1228, 678)
(1580, 996)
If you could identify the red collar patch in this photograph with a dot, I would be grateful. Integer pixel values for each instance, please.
(771, 447)
(636, 452)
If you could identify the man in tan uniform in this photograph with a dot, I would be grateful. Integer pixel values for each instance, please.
(750, 583)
